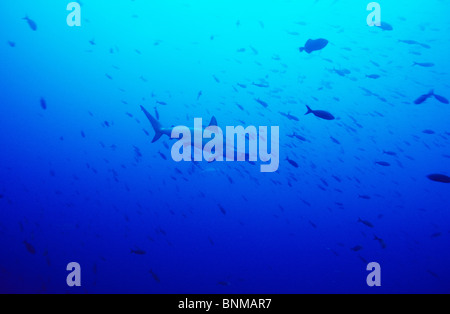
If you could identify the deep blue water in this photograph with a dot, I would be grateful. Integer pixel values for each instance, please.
(80, 180)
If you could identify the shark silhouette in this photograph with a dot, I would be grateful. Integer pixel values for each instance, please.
(160, 131)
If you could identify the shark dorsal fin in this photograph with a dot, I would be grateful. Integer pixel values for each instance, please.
(213, 122)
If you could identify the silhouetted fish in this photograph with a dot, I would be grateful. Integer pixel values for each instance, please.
(314, 45)
(290, 117)
(223, 211)
(439, 178)
(29, 247)
(424, 98)
(31, 23)
(383, 163)
(386, 26)
(299, 137)
(43, 104)
(441, 99)
(424, 65)
(413, 42)
(366, 223)
(154, 275)
(262, 103)
(293, 163)
(320, 114)
(138, 252)
(381, 241)
(357, 248)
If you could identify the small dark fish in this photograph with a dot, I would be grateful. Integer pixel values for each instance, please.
(161, 103)
(389, 153)
(1, 196)
(299, 137)
(441, 99)
(262, 103)
(154, 276)
(222, 210)
(320, 114)
(11, 44)
(314, 45)
(43, 104)
(342, 73)
(424, 65)
(290, 117)
(436, 235)
(162, 156)
(429, 132)
(365, 197)
(200, 93)
(335, 140)
(293, 163)
(381, 241)
(357, 248)
(138, 252)
(383, 163)
(409, 42)
(373, 76)
(439, 178)
(83, 135)
(262, 85)
(29, 248)
(366, 223)
(433, 274)
(224, 283)
(425, 46)
(424, 98)
(31, 23)
(413, 42)
(386, 26)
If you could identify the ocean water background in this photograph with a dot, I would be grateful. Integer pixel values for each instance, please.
(81, 182)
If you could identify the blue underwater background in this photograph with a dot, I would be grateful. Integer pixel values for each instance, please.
(80, 180)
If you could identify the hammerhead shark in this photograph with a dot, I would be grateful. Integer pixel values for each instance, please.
(160, 130)
(228, 152)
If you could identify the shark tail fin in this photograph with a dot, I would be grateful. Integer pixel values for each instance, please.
(157, 127)
(309, 110)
